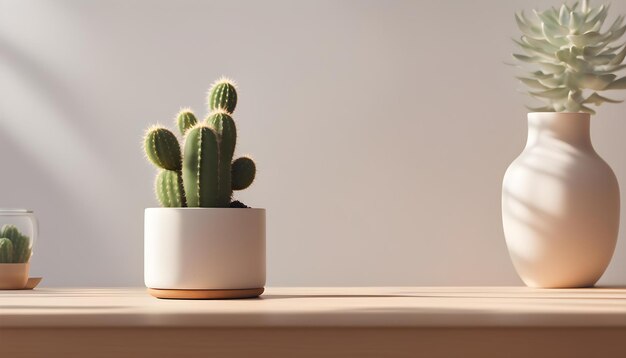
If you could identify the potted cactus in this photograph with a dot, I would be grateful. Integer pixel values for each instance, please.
(200, 244)
(560, 199)
(15, 252)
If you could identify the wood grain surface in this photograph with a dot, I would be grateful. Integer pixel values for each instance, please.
(318, 322)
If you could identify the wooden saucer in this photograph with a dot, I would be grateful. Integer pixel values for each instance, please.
(206, 294)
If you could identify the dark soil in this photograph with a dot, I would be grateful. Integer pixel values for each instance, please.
(238, 204)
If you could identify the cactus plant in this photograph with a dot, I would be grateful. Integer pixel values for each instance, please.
(14, 246)
(204, 174)
(571, 58)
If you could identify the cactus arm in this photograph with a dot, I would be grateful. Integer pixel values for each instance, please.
(200, 167)
(243, 173)
(169, 189)
(185, 120)
(224, 126)
(21, 249)
(162, 148)
(6, 251)
(223, 95)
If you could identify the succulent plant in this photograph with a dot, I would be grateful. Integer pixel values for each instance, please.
(571, 57)
(204, 174)
(14, 246)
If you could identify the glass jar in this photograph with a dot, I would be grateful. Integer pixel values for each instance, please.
(18, 233)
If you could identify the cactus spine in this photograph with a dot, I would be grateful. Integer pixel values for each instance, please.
(205, 167)
(14, 246)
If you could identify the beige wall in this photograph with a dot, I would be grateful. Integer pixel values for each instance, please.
(381, 129)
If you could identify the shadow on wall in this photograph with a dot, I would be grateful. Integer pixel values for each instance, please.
(51, 133)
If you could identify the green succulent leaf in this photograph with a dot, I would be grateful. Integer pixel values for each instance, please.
(565, 55)
(526, 26)
(597, 100)
(540, 75)
(575, 21)
(596, 82)
(610, 69)
(533, 83)
(616, 34)
(554, 93)
(525, 58)
(551, 68)
(564, 15)
(590, 51)
(534, 51)
(600, 60)
(586, 39)
(617, 84)
(551, 82)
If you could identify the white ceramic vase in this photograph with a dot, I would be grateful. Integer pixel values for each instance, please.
(560, 204)
(204, 252)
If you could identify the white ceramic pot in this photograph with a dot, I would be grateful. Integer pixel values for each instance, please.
(204, 252)
(560, 204)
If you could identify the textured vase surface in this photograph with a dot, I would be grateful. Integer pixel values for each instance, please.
(560, 204)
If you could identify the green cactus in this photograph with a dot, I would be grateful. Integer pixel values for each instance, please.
(243, 173)
(21, 249)
(17, 250)
(205, 167)
(169, 189)
(225, 128)
(200, 167)
(223, 95)
(185, 120)
(6, 251)
(10, 232)
(162, 148)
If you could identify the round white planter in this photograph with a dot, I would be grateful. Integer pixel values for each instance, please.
(560, 204)
(204, 252)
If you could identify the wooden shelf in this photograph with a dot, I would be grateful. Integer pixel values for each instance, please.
(316, 322)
